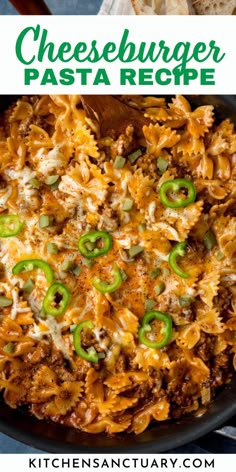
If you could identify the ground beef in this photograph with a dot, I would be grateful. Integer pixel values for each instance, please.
(223, 302)
(222, 369)
(205, 346)
(121, 363)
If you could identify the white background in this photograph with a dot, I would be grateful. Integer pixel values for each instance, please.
(74, 29)
(163, 462)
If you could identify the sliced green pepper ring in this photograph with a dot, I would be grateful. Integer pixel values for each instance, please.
(87, 244)
(91, 355)
(174, 186)
(56, 299)
(145, 328)
(30, 264)
(178, 251)
(10, 225)
(104, 287)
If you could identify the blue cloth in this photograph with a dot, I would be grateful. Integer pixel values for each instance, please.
(66, 7)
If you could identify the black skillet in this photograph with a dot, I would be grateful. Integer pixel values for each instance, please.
(159, 438)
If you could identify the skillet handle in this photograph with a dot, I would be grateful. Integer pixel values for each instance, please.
(31, 7)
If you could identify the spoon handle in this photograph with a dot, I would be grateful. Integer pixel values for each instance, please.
(31, 7)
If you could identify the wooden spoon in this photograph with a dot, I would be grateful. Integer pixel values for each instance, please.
(113, 115)
(31, 7)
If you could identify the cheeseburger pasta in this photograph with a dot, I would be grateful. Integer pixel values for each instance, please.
(118, 259)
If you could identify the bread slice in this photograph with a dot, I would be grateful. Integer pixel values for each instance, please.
(149, 7)
(163, 7)
(214, 7)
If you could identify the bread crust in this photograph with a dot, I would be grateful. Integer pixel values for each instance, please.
(174, 7)
(214, 7)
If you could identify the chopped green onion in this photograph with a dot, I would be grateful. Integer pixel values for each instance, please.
(67, 265)
(135, 250)
(9, 348)
(88, 262)
(72, 327)
(101, 355)
(220, 256)
(42, 313)
(52, 248)
(123, 275)
(142, 227)
(5, 301)
(77, 270)
(55, 185)
(134, 156)
(45, 221)
(119, 162)
(209, 240)
(160, 288)
(28, 286)
(162, 164)
(185, 300)
(90, 246)
(149, 304)
(155, 273)
(128, 204)
(166, 272)
(35, 183)
(51, 179)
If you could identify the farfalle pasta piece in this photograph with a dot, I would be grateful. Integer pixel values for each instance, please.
(165, 116)
(208, 285)
(67, 396)
(84, 142)
(225, 231)
(141, 189)
(124, 381)
(146, 357)
(198, 121)
(158, 411)
(227, 131)
(159, 137)
(190, 146)
(188, 336)
(210, 321)
(128, 320)
(6, 158)
(108, 425)
(21, 111)
(137, 101)
(44, 385)
(183, 219)
(116, 403)
(94, 389)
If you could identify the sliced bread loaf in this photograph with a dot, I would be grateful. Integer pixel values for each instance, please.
(214, 7)
(163, 7)
(149, 7)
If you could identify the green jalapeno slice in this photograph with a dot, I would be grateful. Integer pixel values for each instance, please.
(165, 331)
(173, 187)
(90, 355)
(87, 244)
(178, 251)
(104, 287)
(30, 264)
(10, 225)
(56, 299)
